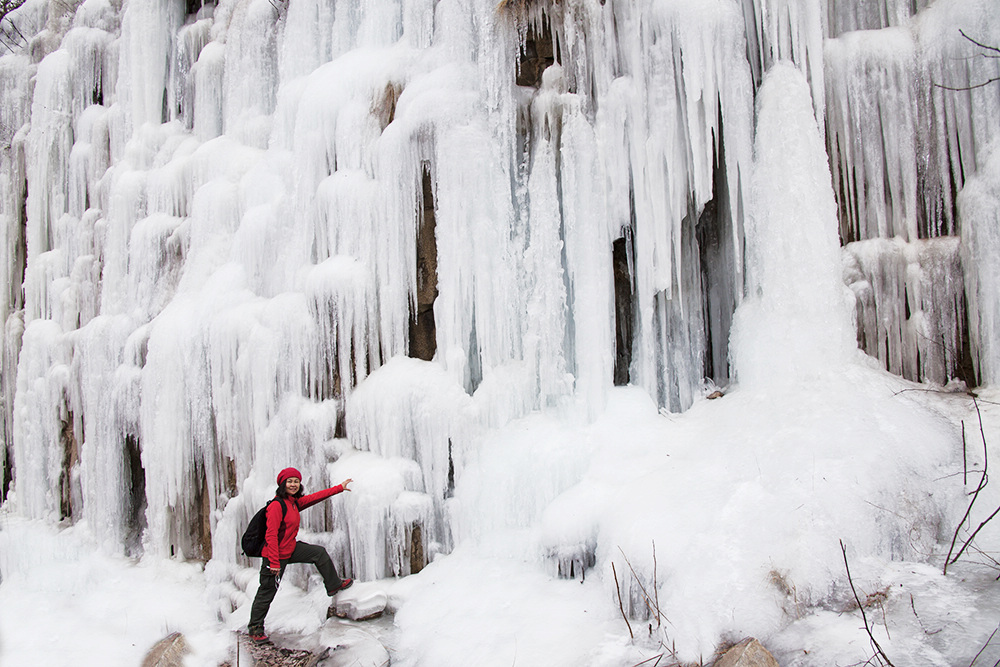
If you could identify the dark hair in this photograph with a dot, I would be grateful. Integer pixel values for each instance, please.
(282, 492)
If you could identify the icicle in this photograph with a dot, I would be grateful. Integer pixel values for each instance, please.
(909, 305)
(845, 17)
(788, 30)
(412, 410)
(148, 31)
(873, 126)
(979, 210)
(380, 513)
(250, 81)
(39, 411)
(191, 41)
(48, 151)
(206, 90)
(310, 23)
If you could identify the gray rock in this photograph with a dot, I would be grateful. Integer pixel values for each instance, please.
(748, 653)
(360, 605)
(168, 652)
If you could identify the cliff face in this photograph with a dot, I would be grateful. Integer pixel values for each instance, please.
(221, 220)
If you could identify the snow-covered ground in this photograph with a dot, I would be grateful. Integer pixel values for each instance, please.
(742, 501)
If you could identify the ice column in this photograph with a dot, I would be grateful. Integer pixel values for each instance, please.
(794, 322)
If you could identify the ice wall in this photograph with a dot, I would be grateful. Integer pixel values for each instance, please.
(216, 219)
(908, 122)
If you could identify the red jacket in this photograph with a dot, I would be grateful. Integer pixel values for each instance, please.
(274, 551)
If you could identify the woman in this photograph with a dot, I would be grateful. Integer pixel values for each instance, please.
(281, 547)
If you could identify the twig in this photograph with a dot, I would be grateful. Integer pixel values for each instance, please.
(961, 88)
(645, 594)
(965, 460)
(983, 481)
(864, 617)
(913, 606)
(656, 588)
(979, 44)
(974, 533)
(954, 538)
(885, 623)
(620, 605)
(982, 434)
(984, 646)
(984, 55)
(991, 559)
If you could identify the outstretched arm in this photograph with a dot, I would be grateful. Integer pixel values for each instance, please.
(313, 498)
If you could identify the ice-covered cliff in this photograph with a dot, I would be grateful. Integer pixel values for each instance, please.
(245, 233)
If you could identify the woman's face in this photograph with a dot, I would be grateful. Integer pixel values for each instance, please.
(292, 485)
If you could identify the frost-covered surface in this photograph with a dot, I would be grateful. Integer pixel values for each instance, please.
(215, 246)
(730, 514)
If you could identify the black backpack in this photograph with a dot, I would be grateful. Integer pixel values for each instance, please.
(253, 536)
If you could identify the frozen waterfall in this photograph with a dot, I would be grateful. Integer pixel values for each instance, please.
(366, 236)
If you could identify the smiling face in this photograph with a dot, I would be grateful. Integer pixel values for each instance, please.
(292, 485)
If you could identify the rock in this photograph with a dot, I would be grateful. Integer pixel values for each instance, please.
(168, 652)
(748, 653)
(361, 605)
(272, 655)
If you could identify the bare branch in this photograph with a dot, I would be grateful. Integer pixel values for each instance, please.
(620, 605)
(974, 533)
(983, 55)
(864, 617)
(913, 606)
(657, 658)
(979, 44)
(965, 460)
(645, 594)
(983, 481)
(978, 85)
(656, 588)
(984, 646)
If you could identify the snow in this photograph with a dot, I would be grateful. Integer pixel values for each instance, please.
(210, 227)
(111, 609)
(741, 501)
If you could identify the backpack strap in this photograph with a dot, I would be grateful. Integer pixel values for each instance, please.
(284, 512)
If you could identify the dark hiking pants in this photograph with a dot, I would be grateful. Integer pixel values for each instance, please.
(304, 553)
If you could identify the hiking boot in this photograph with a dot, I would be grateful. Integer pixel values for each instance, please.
(258, 636)
(344, 583)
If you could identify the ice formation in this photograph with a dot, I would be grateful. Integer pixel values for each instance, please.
(227, 225)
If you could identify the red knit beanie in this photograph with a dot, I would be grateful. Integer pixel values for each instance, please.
(286, 473)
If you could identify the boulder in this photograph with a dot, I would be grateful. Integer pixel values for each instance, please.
(748, 653)
(168, 652)
(360, 604)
